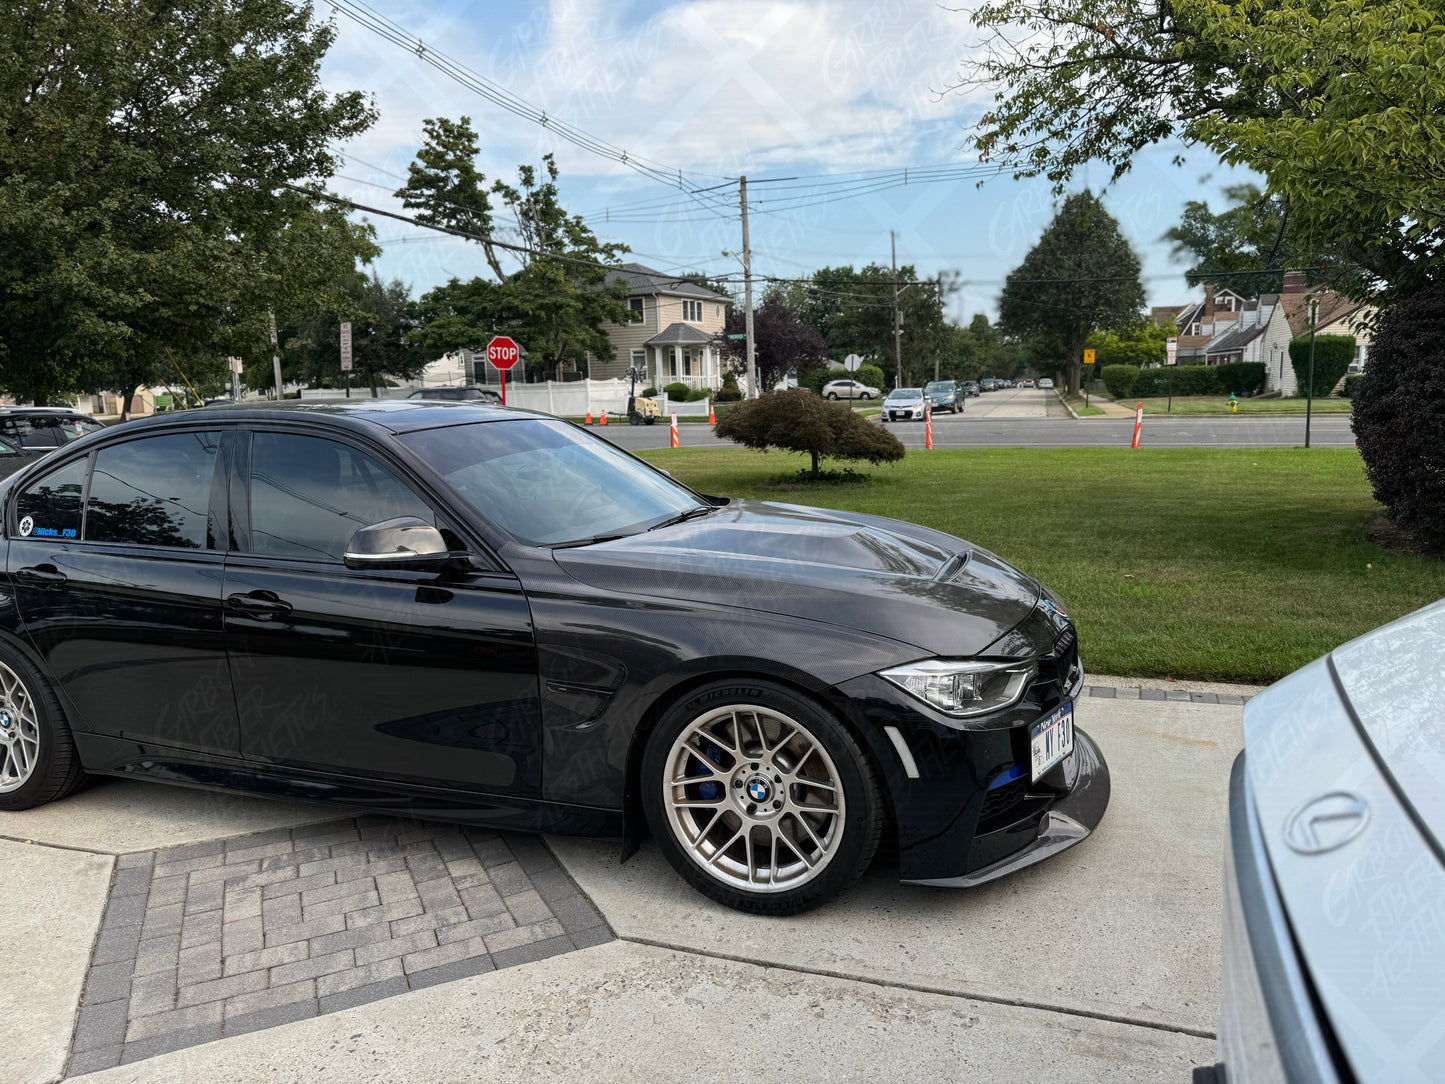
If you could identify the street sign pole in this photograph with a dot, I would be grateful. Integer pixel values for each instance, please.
(346, 355)
(1310, 387)
(1088, 360)
(502, 354)
(1171, 352)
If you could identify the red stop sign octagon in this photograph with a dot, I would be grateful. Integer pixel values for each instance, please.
(502, 352)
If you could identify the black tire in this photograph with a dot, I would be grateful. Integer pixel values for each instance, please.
(634, 419)
(846, 835)
(865, 395)
(649, 419)
(56, 771)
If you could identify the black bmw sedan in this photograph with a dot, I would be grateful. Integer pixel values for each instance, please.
(492, 616)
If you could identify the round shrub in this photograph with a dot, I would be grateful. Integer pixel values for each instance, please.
(678, 391)
(1399, 416)
(1120, 379)
(729, 394)
(799, 421)
(647, 393)
(1333, 354)
(872, 376)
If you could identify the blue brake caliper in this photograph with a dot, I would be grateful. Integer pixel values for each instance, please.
(711, 790)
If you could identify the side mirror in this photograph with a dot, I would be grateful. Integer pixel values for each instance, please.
(397, 544)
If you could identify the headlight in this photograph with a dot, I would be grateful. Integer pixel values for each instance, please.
(964, 689)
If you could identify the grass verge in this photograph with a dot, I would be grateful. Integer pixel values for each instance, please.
(1213, 404)
(1077, 402)
(1221, 565)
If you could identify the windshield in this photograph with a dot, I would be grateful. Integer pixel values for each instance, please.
(545, 482)
(905, 393)
(942, 388)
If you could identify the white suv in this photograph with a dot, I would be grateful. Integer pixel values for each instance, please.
(849, 389)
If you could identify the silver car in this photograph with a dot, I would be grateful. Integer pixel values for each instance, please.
(1334, 924)
(849, 389)
(904, 404)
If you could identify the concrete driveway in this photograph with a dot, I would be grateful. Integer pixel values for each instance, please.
(1102, 964)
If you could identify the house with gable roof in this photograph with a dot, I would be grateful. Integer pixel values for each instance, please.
(674, 332)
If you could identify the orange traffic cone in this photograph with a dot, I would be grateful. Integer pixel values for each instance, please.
(604, 417)
(589, 415)
(674, 431)
(711, 415)
(927, 428)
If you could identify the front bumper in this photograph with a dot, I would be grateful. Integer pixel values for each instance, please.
(910, 414)
(1071, 819)
(964, 805)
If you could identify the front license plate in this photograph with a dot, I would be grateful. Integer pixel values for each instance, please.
(1052, 739)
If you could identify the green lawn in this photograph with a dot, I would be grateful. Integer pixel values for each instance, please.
(1077, 402)
(1220, 565)
(1214, 404)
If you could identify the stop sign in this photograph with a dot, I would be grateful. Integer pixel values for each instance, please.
(502, 352)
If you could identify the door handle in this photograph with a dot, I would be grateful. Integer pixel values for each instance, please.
(260, 604)
(41, 576)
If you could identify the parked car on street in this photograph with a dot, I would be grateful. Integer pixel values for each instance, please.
(849, 389)
(1334, 959)
(970, 388)
(13, 459)
(1026, 383)
(1046, 383)
(43, 429)
(492, 616)
(465, 393)
(944, 395)
(904, 404)
(988, 383)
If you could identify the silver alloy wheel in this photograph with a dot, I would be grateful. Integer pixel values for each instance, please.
(19, 732)
(753, 798)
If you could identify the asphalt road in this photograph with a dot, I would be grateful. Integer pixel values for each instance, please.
(1016, 419)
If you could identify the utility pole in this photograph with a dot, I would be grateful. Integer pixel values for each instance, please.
(1310, 387)
(275, 356)
(753, 389)
(897, 316)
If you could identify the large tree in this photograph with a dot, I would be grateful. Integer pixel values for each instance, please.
(1247, 246)
(1340, 105)
(783, 343)
(1082, 275)
(382, 316)
(144, 152)
(556, 302)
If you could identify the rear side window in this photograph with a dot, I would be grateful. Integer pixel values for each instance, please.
(50, 507)
(309, 495)
(155, 491)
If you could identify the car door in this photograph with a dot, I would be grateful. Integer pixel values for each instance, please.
(115, 562)
(424, 677)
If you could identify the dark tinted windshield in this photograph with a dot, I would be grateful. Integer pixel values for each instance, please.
(940, 388)
(546, 482)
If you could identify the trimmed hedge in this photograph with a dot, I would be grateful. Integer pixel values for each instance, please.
(1352, 384)
(1120, 380)
(1399, 415)
(1243, 378)
(872, 376)
(799, 421)
(1333, 354)
(1185, 380)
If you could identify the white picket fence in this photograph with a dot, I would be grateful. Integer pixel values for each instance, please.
(567, 399)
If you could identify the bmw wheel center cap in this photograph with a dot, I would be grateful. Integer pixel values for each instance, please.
(759, 789)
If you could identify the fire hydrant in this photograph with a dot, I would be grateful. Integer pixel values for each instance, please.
(1233, 404)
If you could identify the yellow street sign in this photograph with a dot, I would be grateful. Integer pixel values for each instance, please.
(1088, 357)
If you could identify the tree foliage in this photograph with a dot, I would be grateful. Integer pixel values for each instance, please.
(799, 421)
(1338, 105)
(1333, 354)
(1138, 343)
(1246, 247)
(1082, 275)
(1399, 415)
(556, 303)
(782, 342)
(382, 316)
(142, 158)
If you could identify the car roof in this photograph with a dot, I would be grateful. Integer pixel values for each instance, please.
(42, 410)
(391, 415)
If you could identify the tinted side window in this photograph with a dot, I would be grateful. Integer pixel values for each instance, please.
(50, 508)
(309, 495)
(154, 491)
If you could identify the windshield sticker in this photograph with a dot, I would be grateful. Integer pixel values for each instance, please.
(26, 526)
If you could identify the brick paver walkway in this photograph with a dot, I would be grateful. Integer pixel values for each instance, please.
(234, 935)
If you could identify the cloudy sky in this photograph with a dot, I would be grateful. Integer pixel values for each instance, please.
(821, 103)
